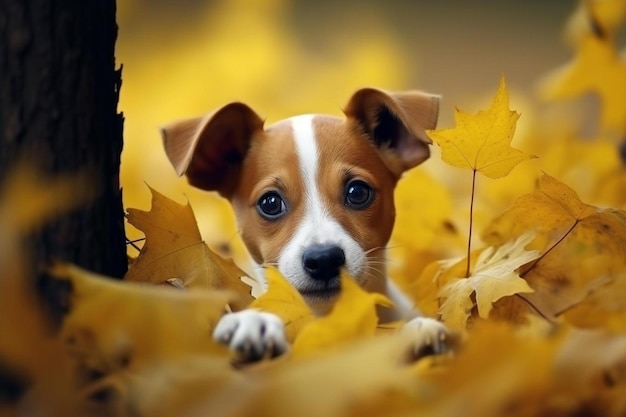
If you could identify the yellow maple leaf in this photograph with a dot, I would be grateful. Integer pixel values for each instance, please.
(494, 277)
(353, 316)
(282, 299)
(581, 244)
(174, 249)
(482, 142)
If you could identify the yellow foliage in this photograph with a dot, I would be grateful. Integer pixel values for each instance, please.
(175, 250)
(30, 360)
(482, 142)
(356, 379)
(516, 370)
(353, 316)
(282, 299)
(434, 277)
(604, 307)
(419, 192)
(31, 198)
(494, 276)
(581, 244)
(178, 386)
(111, 319)
(424, 230)
(594, 166)
(597, 68)
(596, 17)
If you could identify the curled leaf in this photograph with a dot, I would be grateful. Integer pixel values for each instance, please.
(494, 276)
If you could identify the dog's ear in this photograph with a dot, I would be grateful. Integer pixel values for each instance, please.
(396, 123)
(210, 149)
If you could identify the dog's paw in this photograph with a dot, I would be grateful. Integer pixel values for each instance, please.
(252, 334)
(429, 337)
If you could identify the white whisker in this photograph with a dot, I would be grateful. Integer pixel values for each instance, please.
(374, 249)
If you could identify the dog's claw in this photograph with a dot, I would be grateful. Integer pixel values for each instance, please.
(430, 337)
(253, 334)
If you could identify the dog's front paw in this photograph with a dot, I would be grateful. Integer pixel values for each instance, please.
(429, 337)
(253, 334)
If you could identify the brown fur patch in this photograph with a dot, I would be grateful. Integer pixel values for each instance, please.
(271, 164)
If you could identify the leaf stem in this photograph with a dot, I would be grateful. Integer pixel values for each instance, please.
(471, 220)
(534, 307)
(536, 261)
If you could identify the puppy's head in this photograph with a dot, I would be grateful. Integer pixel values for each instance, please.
(312, 194)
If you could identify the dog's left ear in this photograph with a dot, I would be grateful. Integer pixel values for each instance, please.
(396, 123)
(210, 150)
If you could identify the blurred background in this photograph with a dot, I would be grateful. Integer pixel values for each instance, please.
(284, 57)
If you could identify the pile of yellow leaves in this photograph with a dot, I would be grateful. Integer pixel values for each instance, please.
(540, 307)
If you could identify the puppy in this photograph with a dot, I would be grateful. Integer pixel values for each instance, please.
(312, 194)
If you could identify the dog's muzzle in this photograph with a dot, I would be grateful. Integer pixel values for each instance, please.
(323, 262)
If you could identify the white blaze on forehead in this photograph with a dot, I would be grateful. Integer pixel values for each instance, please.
(317, 225)
(306, 148)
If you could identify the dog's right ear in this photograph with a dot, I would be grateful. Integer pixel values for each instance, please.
(210, 149)
(396, 124)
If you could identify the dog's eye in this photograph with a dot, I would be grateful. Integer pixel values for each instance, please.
(359, 195)
(271, 206)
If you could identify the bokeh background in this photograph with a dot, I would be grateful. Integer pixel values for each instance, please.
(187, 57)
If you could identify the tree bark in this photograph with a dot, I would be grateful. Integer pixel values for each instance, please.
(58, 102)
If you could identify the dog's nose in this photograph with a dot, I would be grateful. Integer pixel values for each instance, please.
(322, 262)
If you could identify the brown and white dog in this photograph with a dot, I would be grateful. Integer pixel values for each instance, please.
(312, 194)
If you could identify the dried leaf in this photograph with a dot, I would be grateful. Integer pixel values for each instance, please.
(580, 243)
(174, 249)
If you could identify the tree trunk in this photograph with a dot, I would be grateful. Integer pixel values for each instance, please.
(58, 102)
